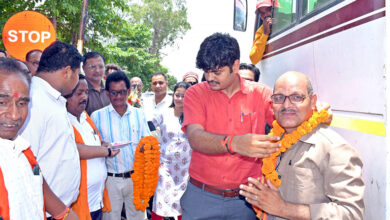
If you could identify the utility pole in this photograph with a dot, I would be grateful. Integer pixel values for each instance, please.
(80, 41)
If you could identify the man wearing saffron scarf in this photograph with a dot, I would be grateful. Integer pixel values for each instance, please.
(91, 200)
(320, 174)
(22, 186)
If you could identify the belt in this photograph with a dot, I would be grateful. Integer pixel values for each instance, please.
(123, 175)
(213, 189)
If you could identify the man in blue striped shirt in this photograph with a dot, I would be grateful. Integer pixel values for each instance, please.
(119, 122)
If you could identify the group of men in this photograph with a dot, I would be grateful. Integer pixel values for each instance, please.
(50, 112)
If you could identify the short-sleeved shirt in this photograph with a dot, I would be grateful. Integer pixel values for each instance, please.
(151, 108)
(97, 99)
(51, 136)
(113, 128)
(246, 111)
(96, 167)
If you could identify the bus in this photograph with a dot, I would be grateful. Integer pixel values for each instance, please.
(341, 45)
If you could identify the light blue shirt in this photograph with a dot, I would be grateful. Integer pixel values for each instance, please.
(113, 128)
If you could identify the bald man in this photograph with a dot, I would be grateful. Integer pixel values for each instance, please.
(320, 173)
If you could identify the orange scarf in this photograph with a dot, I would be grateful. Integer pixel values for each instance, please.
(4, 205)
(80, 206)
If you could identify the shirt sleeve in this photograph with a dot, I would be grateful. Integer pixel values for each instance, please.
(257, 51)
(194, 112)
(343, 186)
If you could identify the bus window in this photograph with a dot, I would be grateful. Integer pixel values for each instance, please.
(311, 5)
(240, 15)
(285, 15)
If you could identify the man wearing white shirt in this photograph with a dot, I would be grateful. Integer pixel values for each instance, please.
(22, 186)
(92, 154)
(47, 127)
(159, 99)
(120, 122)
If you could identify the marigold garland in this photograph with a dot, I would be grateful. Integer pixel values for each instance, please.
(269, 163)
(145, 176)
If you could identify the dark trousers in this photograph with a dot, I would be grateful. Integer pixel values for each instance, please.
(97, 215)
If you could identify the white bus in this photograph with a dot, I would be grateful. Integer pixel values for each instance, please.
(342, 46)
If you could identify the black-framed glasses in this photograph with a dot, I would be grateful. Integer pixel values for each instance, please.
(115, 93)
(192, 83)
(294, 98)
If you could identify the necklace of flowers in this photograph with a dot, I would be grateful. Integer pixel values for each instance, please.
(145, 176)
(287, 140)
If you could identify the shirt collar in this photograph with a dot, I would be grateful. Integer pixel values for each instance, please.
(83, 117)
(17, 145)
(90, 86)
(48, 88)
(128, 109)
(312, 137)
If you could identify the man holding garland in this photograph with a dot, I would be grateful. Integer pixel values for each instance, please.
(320, 172)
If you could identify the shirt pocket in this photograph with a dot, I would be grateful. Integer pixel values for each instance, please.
(244, 125)
(306, 183)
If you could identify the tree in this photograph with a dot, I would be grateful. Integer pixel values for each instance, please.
(104, 20)
(131, 53)
(166, 18)
(107, 30)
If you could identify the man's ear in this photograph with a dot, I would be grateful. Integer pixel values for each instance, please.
(67, 72)
(314, 101)
(107, 93)
(236, 66)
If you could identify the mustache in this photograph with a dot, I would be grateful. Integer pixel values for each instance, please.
(288, 110)
(84, 102)
(213, 81)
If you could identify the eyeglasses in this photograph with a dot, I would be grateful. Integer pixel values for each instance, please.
(294, 98)
(178, 96)
(136, 86)
(115, 93)
(192, 83)
(91, 67)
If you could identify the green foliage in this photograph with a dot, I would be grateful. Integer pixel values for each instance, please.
(131, 52)
(166, 18)
(110, 29)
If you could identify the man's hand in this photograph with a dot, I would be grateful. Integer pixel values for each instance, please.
(71, 216)
(264, 196)
(267, 23)
(255, 145)
(114, 152)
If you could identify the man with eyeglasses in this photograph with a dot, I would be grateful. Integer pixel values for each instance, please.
(120, 123)
(32, 60)
(94, 67)
(321, 174)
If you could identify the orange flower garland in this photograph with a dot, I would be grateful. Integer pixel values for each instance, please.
(145, 176)
(287, 140)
